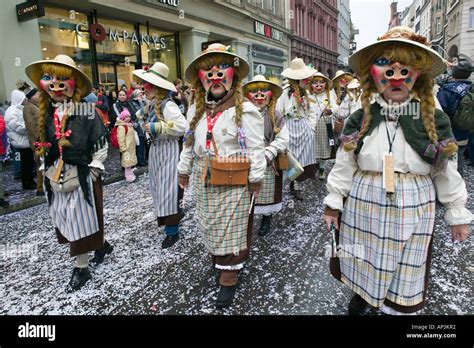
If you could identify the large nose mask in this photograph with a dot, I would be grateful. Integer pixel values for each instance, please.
(260, 97)
(58, 87)
(222, 74)
(392, 74)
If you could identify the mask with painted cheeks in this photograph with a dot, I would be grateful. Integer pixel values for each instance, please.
(318, 86)
(393, 80)
(260, 97)
(217, 79)
(59, 88)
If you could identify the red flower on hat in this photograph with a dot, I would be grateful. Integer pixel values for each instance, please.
(146, 67)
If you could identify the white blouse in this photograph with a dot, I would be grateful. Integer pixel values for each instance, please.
(225, 137)
(287, 107)
(450, 187)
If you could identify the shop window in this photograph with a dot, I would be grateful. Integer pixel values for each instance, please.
(471, 18)
(59, 35)
(161, 47)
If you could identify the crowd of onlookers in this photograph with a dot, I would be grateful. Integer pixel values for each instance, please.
(18, 124)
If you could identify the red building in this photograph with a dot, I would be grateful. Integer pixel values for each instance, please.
(314, 37)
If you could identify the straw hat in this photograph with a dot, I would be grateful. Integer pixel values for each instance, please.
(341, 73)
(353, 84)
(212, 50)
(298, 70)
(276, 89)
(157, 75)
(63, 60)
(402, 35)
(328, 80)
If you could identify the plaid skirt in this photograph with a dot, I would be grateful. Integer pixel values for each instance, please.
(385, 239)
(223, 214)
(323, 150)
(269, 201)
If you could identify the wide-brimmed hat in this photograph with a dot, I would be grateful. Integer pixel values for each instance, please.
(298, 70)
(157, 75)
(276, 89)
(213, 50)
(405, 35)
(353, 84)
(63, 60)
(341, 73)
(328, 80)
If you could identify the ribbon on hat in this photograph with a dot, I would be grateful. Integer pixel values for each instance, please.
(155, 73)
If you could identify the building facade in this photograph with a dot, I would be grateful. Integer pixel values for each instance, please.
(438, 20)
(394, 16)
(425, 19)
(314, 33)
(459, 29)
(344, 34)
(108, 39)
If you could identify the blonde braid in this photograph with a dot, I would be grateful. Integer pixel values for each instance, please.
(296, 90)
(160, 95)
(424, 91)
(238, 102)
(41, 122)
(366, 87)
(271, 115)
(76, 98)
(200, 108)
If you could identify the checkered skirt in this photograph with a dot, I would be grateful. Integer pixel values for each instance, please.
(386, 238)
(223, 214)
(323, 150)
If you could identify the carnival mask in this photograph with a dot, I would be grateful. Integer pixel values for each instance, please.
(217, 80)
(59, 88)
(318, 86)
(304, 83)
(260, 97)
(149, 90)
(393, 80)
(343, 82)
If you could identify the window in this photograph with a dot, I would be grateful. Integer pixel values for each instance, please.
(273, 6)
(58, 35)
(438, 25)
(471, 18)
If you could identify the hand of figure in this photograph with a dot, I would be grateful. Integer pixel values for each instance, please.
(459, 232)
(254, 188)
(183, 181)
(331, 216)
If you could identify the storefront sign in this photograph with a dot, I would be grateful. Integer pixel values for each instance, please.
(266, 50)
(174, 3)
(29, 10)
(99, 34)
(260, 69)
(268, 31)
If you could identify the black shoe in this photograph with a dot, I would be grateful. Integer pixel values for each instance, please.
(142, 164)
(17, 177)
(357, 305)
(4, 203)
(99, 254)
(39, 193)
(265, 225)
(79, 278)
(169, 241)
(29, 186)
(225, 296)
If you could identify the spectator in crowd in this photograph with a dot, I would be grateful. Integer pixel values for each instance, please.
(30, 115)
(3, 150)
(18, 136)
(132, 107)
(127, 138)
(137, 102)
(450, 95)
(133, 86)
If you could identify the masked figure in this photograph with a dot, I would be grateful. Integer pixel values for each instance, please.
(73, 147)
(264, 94)
(225, 151)
(300, 120)
(394, 163)
(164, 127)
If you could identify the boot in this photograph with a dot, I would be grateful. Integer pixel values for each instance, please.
(322, 175)
(225, 296)
(265, 225)
(298, 195)
(79, 278)
(99, 254)
(169, 241)
(357, 305)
